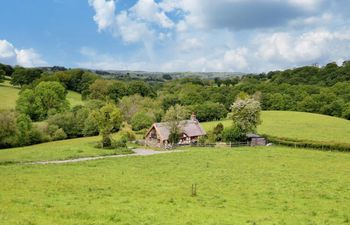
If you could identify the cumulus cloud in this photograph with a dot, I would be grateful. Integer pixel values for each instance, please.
(105, 13)
(226, 35)
(24, 57)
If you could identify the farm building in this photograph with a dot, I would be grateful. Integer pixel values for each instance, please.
(158, 134)
(256, 140)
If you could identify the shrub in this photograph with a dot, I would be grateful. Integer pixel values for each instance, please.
(59, 134)
(128, 132)
(121, 142)
(233, 134)
(90, 126)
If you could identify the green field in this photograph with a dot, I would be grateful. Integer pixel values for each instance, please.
(58, 150)
(300, 125)
(9, 95)
(234, 186)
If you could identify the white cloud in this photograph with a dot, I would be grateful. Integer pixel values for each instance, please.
(105, 13)
(313, 46)
(24, 57)
(150, 11)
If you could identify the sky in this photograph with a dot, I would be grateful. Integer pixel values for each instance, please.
(175, 35)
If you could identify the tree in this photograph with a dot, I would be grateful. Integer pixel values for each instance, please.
(8, 128)
(22, 76)
(24, 126)
(141, 120)
(2, 75)
(45, 98)
(174, 117)
(246, 113)
(209, 111)
(109, 117)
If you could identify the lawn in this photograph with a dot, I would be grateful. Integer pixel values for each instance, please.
(9, 95)
(66, 149)
(300, 125)
(234, 186)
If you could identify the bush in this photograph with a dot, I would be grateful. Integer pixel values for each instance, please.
(127, 132)
(121, 142)
(90, 126)
(59, 134)
(233, 134)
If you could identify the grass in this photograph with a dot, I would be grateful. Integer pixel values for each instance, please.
(300, 125)
(9, 95)
(234, 186)
(58, 150)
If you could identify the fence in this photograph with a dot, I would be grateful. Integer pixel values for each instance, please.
(219, 144)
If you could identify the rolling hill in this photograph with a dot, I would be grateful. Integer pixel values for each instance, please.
(9, 95)
(300, 126)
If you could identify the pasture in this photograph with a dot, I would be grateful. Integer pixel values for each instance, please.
(9, 95)
(274, 185)
(58, 150)
(299, 125)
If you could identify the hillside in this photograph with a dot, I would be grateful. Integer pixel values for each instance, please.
(9, 95)
(300, 125)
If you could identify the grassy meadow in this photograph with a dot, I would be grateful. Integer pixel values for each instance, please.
(299, 125)
(9, 95)
(58, 150)
(274, 185)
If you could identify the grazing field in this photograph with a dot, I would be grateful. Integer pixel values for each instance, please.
(9, 95)
(58, 150)
(300, 125)
(234, 186)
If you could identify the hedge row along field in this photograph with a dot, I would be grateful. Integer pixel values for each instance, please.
(304, 129)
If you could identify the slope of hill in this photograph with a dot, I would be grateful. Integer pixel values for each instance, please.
(9, 95)
(300, 125)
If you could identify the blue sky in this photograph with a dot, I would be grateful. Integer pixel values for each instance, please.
(174, 35)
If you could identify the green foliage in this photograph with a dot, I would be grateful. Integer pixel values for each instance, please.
(209, 111)
(2, 75)
(22, 76)
(127, 132)
(109, 118)
(173, 118)
(24, 127)
(59, 134)
(246, 113)
(141, 120)
(8, 129)
(46, 96)
(217, 131)
(233, 134)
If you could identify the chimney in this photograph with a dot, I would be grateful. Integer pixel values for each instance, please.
(193, 117)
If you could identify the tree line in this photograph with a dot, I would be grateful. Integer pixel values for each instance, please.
(138, 103)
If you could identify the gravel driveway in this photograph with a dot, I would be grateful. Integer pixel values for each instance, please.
(137, 152)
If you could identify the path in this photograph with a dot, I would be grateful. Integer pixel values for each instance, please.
(137, 152)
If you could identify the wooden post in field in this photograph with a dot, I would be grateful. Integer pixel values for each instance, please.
(194, 190)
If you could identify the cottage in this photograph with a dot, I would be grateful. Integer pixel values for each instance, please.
(158, 134)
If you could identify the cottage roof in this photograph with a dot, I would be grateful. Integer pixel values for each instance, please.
(191, 128)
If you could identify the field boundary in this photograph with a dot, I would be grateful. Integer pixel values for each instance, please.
(298, 143)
